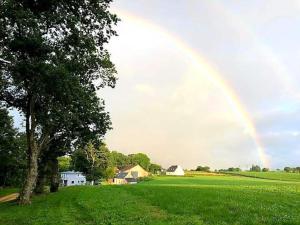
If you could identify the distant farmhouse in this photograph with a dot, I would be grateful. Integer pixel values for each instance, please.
(175, 171)
(130, 174)
(70, 178)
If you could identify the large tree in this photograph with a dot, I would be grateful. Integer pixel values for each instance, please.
(92, 160)
(56, 53)
(140, 158)
(118, 159)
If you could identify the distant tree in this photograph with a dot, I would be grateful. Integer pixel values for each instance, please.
(79, 161)
(109, 173)
(288, 169)
(255, 168)
(64, 163)
(92, 161)
(292, 169)
(155, 168)
(203, 168)
(265, 169)
(234, 169)
(118, 159)
(12, 152)
(140, 158)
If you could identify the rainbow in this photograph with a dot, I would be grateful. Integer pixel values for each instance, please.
(279, 69)
(211, 74)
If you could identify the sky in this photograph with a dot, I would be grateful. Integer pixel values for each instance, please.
(207, 82)
(212, 83)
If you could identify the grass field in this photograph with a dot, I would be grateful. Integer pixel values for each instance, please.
(213, 200)
(271, 175)
(6, 191)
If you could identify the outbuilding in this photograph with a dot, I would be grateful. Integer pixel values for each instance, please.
(71, 178)
(175, 170)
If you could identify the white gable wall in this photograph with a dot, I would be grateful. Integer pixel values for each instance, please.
(178, 172)
(72, 178)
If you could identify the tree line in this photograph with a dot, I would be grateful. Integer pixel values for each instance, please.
(257, 168)
(53, 61)
(101, 163)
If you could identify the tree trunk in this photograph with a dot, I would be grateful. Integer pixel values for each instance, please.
(54, 184)
(33, 154)
(41, 179)
(31, 176)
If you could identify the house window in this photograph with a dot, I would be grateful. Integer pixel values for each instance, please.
(72, 182)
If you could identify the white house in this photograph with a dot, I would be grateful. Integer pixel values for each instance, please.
(70, 178)
(175, 171)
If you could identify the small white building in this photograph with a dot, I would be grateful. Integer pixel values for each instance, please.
(70, 178)
(175, 171)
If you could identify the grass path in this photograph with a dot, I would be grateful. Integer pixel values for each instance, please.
(9, 197)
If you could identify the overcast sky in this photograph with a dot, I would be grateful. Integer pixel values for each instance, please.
(165, 105)
(166, 108)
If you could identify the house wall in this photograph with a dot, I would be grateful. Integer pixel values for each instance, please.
(137, 171)
(119, 181)
(178, 172)
(70, 179)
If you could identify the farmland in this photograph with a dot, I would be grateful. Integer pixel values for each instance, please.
(165, 200)
(271, 175)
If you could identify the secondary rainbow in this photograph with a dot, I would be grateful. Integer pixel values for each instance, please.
(211, 74)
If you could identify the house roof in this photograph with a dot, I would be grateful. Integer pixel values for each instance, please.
(172, 168)
(127, 167)
(121, 175)
(71, 172)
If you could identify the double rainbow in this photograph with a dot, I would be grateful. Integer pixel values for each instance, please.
(203, 67)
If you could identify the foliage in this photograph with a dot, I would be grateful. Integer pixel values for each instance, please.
(265, 169)
(203, 168)
(255, 168)
(140, 158)
(109, 173)
(64, 163)
(292, 169)
(57, 61)
(92, 161)
(118, 159)
(12, 152)
(155, 168)
(236, 169)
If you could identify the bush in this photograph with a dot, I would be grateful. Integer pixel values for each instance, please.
(255, 168)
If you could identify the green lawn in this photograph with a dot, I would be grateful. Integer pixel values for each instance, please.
(7, 191)
(272, 175)
(165, 200)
